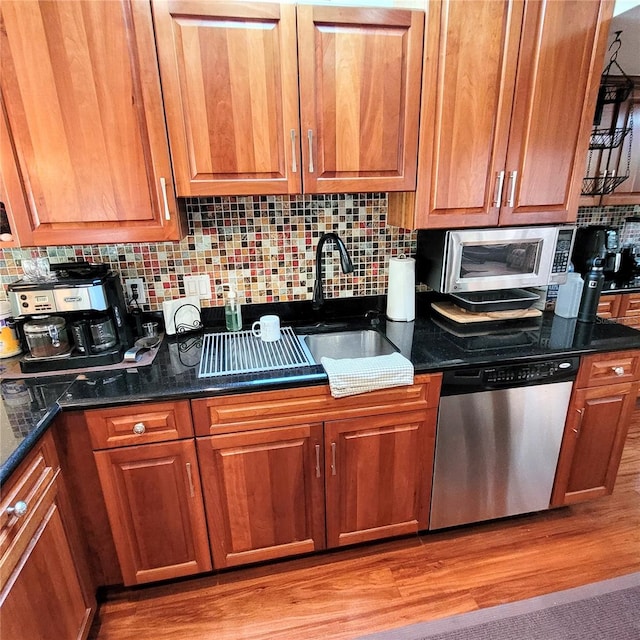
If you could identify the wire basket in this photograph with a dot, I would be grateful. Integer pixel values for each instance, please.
(614, 89)
(601, 185)
(608, 138)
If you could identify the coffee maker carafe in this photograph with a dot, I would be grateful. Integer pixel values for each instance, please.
(74, 319)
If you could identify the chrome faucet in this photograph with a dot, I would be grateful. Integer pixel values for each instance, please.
(345, 261)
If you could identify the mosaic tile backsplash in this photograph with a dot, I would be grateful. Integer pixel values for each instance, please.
(265, 245)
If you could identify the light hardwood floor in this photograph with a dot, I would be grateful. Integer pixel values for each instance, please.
(348, 593)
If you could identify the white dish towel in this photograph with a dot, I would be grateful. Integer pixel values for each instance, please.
(351, 376)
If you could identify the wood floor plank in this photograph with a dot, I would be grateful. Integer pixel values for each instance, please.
(342, 594)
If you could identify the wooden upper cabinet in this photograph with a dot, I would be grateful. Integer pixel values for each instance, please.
(509, 91)
(359, 97)
(229, 76)
(17, 207)
(84, 106)
(230, 73)
(559, 67)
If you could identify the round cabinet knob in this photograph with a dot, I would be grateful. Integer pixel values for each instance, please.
(18, 509)
(619, 371)
(139, 428)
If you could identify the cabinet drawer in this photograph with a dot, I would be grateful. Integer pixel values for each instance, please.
(31, 484)
(609, 368)
(609, 306)
(630, 306)
(260, 410)
(142, 424)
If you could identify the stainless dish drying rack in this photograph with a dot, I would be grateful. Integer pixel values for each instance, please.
(236, 352)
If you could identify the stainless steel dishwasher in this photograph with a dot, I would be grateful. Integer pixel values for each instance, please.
(498, 439)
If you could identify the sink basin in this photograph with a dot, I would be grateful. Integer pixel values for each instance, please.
(361, 343)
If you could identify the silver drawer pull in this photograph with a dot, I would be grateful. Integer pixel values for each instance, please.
(619, 371)
(139, 428)
(18, 509)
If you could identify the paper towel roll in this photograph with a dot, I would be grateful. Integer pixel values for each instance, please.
(401, 292)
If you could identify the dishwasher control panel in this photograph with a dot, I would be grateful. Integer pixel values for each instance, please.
(517, 374)
(530, 372)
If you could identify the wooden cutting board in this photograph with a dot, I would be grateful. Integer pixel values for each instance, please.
(462, 316)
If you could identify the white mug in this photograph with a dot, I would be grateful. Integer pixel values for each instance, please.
(267, 328)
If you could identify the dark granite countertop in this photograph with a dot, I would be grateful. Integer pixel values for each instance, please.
(431, 342)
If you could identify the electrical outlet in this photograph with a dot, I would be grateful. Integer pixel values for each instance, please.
(199, 285)
(129, 285)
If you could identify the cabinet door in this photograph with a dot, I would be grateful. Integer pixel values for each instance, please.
(378, 476)
(87, 122)
(594, 436)
(154, 503)
(559, 66)
(264, 493)
(469, 73)
(509, 90)
(10, 182)
(45, 574)
(229, 78)
(359, 97)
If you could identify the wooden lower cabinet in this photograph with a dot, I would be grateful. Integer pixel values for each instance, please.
(264, 493)
(596, 428)
(378, 475)
(621, 307)
(154, 503)
(44, 592)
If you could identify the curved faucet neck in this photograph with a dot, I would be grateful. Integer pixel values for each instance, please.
(345, 261)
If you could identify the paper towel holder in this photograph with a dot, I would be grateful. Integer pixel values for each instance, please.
(401, 289)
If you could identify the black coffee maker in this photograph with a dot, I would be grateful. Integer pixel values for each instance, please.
(73, 319)
(598, 242)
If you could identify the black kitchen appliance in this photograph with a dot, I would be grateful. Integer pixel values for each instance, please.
(74, 319)
(598, 242)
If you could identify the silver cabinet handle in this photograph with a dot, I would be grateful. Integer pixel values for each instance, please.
(310, 138)
(18, 509)
(317, 461)
(192, 490)
(333, 458)
(513, 178)
(139, 428)
(619, 371)
(163, 188)
(497, 194)
(294, 164)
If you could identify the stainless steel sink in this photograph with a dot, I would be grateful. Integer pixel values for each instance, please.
(360, 343)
